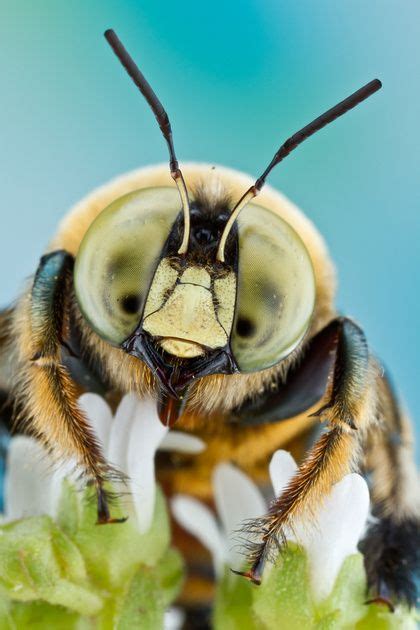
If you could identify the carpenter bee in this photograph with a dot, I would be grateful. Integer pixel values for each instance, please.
(215, 295)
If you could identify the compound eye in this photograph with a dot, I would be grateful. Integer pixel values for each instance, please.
(276, 290)
(117, 259)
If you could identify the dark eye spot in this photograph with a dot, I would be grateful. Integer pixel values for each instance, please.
(245, 327)
(130, 303)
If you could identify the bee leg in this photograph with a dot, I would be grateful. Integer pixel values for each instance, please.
(351, 407)
(104, 516)
(6, 366)
(46, 394)
(391, 546)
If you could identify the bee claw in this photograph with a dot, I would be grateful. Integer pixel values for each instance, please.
(106, 521)
(254, 574)
(382, 601)
(249, 575)
(103, 513)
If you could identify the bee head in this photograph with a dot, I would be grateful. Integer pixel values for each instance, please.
(191, 283)
(193, 311)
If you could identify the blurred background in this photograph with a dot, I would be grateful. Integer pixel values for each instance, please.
(236, 78)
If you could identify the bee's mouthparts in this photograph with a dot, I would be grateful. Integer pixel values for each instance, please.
(170, 408)
(173, 375)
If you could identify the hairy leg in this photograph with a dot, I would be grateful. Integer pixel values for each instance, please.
(46, 394)
(391, 546)
(348, 414)
(6, 360)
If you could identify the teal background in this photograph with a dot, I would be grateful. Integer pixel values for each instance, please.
(237, 78)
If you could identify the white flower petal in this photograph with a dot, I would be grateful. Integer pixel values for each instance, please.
(146, 434)
(237, 499)
(120, 431)
(28, 473)
(173, 619)
(200, 521)
(339, 525)
(182, 442)
(282, 468)
(99, 415)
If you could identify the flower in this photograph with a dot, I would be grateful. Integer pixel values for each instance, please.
(52, 553)
(328, 540)
(57, 565)
(129, 440)
(237, 499)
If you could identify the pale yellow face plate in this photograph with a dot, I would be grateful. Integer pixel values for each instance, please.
(188, 310)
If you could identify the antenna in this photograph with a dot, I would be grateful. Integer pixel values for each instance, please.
(163, 122)
(291, 144)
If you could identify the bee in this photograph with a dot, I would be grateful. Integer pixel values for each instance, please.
(214, 294)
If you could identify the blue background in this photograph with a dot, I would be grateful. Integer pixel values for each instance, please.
(237, 78)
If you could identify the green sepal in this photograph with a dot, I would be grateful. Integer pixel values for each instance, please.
(170, 575)
(378, 617)
(112, 552)
(39, 562)
(233, 603)
(40, 615)
(72, 573)
(149, 593)
(284, 599)
(346, 603)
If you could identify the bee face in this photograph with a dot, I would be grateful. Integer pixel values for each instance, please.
(191, 310)
(198, 290)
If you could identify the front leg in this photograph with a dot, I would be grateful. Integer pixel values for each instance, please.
(46, 394)
(350, 408)
(350, 379)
